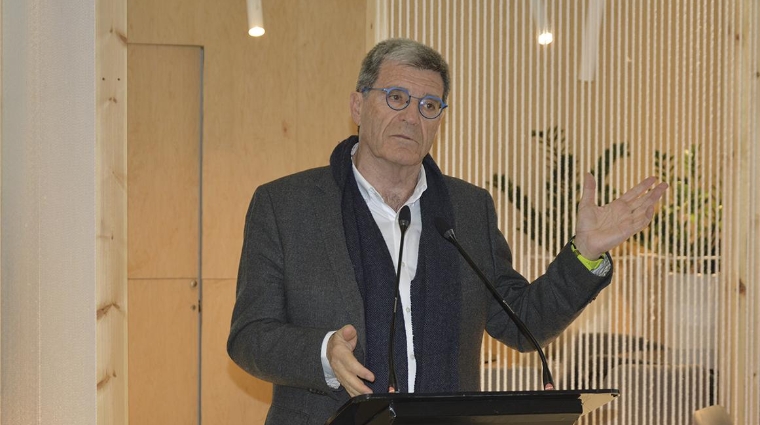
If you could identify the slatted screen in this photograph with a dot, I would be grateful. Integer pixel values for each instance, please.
(627, 89)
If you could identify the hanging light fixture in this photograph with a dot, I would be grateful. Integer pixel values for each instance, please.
(255, 18)
(590, 40)
(538, 10)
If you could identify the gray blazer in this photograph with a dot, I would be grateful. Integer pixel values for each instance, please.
(296, 282)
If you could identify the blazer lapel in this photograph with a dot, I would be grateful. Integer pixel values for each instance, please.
(330, 222)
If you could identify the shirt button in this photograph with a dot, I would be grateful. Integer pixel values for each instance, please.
(408, 309)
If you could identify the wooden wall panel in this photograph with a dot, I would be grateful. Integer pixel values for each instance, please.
(229, 394)
(163, 351)
(273, 106)
(164, 149)
(331, 52)
(250, 118)
(168, 22)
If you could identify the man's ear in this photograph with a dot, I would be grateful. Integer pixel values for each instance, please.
(355, 104)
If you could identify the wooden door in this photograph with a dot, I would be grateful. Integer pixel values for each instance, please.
(164, 139)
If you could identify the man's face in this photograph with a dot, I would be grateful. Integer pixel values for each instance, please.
(396, 138)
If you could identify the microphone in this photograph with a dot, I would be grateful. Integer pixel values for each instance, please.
(404, 219)
(448, 233)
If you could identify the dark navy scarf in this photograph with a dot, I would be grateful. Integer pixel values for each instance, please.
(435, 290)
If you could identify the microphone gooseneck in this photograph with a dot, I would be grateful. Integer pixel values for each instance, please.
(447, 232)
(404, 219)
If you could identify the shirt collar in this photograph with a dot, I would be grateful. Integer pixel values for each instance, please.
(370, 194)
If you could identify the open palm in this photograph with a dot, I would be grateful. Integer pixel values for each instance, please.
(601, 228)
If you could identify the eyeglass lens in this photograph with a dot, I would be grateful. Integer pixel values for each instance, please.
(398, 99)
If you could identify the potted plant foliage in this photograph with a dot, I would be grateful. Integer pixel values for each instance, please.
(561, 189)
(687, 226)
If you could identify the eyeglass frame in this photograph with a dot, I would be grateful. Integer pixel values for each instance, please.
(387, 91)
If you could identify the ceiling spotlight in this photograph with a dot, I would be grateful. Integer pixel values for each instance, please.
(538, 10)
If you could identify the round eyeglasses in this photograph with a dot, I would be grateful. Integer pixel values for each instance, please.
(398, 98)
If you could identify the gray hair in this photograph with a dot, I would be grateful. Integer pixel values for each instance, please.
(407, 52)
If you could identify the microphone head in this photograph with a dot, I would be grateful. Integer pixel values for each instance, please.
(404, 217)
(444, 229)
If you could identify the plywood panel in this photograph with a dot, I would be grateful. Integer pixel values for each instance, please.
(168, 22)
(332, 49)
(251, 93)
(229, 394)
(163, 160)
(163, 352)
(273, 106)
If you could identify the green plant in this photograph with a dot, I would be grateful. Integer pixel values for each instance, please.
(561, 190)
(687, 226)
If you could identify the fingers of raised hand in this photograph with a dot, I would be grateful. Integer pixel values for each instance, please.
(588, 197)
(634, 193)
(644, 203)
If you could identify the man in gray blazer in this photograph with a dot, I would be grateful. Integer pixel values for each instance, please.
(317, 274)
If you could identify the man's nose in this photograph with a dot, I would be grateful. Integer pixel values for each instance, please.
(411, 113)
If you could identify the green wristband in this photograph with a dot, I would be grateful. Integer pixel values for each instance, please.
(590, 264)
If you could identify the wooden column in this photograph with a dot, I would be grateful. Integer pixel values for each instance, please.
(111, 214)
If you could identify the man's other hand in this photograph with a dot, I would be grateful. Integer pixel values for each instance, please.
(348, 370)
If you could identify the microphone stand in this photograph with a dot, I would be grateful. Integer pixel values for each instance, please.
(404, 219)
(448, 233)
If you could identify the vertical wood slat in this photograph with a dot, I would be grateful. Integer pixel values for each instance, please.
(753, 110)
(1, 215)
(111, 211)
(1, 193)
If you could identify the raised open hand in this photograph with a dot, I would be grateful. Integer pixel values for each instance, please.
(602, 228)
